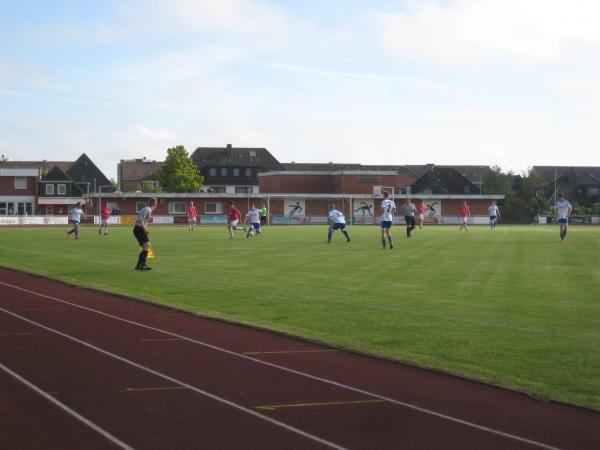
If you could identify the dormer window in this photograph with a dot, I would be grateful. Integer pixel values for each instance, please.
(213, 172)
(223, 171)
(49, 189)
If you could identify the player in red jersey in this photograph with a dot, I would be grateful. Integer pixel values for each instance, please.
(233, 218)
(464, 212)
(104, 216)
(192, 214)
(421, 210)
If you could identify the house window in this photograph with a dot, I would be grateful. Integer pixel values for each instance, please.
(20, 182)
(61, 189)
(24, 208)
(213, 208)
(2, 208)
(248, 172)
(236, 172)
(224, 171)
(177, 208)
(243, 189)
(213, 172)
(49, 210)
(139, 206)
(218, 189)
(49, 189)
(149, 186)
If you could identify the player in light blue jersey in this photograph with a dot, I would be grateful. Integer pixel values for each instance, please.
(337, 221)
(388, 208)
(494, 214)
(75, 215)
(253, 217)
(563, 211)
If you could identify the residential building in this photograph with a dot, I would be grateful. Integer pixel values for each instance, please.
(579, 184)
(48, 187)
(233, 170)
(137, 174)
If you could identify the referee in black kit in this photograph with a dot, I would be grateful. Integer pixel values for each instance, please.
(140, 231)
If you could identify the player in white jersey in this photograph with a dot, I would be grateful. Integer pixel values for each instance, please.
(75, 215)
(337, 221)
(388, 208)
(494, 214)
(563, 211)
(253, 217)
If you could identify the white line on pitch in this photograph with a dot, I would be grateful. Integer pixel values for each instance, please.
(16, 334)
(300, 373)
(160, 339)
(179, 382)
(65, 408)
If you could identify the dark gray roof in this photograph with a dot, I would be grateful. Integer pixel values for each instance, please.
(235, 157)
(56, 174)
(444, 180)
(475, 174)
(321, 167)
(580, 175)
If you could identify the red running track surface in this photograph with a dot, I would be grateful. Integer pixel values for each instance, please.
(85, 369)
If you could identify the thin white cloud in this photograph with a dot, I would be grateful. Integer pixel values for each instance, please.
(145, 133)
(233, 17)
(539, 31)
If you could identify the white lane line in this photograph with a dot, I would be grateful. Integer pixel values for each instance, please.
(160, 339)
(16, 334)
(65, 408)
(302, 374)
(179, 382)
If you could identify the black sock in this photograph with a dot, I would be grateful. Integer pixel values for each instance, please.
(142, 258)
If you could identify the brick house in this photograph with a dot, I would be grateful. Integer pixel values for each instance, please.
(137, 174)
(233, 170)
(48, 187)
(18, 188)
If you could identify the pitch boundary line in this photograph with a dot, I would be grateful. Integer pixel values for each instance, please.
(65, 408)
(300, 373)
(180, 383)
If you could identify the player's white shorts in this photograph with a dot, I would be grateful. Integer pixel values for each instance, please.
(422, 216)
(233, 223)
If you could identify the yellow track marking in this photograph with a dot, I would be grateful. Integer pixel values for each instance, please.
(166, 388)
(310, 405)
(161, 339)
(289, 351)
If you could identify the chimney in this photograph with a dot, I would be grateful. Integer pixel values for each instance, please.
(228, 146)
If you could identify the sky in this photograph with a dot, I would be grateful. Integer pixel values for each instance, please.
(513, 83)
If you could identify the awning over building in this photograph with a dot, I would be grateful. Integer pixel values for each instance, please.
(60, 200)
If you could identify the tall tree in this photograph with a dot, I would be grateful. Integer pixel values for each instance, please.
(179, 173)
(497, 182)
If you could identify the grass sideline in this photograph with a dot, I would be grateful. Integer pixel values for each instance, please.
(514, 307)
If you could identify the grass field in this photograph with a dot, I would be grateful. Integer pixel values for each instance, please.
(514, 307)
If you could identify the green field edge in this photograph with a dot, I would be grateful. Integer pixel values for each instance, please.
(290, 334)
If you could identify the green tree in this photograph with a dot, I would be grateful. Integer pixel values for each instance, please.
(540, 205)
(530, 183)
(498, 182)
(179, 173)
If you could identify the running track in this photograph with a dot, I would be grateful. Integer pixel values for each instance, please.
(81, 369)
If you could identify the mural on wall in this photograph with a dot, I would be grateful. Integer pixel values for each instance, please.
(294, 207)
(365, 208)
